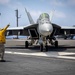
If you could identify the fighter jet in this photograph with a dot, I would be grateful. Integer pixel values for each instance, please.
(43, 31)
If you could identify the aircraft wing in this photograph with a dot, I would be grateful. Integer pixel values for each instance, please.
(21, 30)
(66, 32)
(63, 30)
(29, 30)
(56, 29)
(55, 26)
(66, 27)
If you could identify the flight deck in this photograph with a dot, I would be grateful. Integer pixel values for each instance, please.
(65, 50)
(22, 61)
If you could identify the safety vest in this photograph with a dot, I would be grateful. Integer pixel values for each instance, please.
(2, 35)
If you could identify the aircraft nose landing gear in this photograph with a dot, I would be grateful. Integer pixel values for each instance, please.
(42, 48)
(43, 44)
(46, 47)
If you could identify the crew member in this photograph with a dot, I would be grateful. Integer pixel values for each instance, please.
(2, 42)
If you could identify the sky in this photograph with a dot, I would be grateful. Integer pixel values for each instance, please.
(63, 11)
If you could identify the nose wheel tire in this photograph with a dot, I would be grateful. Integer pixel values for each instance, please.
(26, 44)
(46, 48)
(56, 43)
(41, 47)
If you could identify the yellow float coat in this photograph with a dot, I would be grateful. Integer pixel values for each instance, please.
(2, 35)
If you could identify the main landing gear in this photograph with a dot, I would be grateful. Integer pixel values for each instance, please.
(41, 46)
(55, 43)
(26, 44)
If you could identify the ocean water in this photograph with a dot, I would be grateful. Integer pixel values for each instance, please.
(14, 36)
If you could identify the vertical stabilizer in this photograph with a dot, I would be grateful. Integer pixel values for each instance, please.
(29, 17)
(51, 15)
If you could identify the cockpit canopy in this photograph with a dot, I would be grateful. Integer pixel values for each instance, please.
(44, 15)
(44, 18)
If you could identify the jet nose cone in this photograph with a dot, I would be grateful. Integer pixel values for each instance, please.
(47, 32)
(46, 29)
